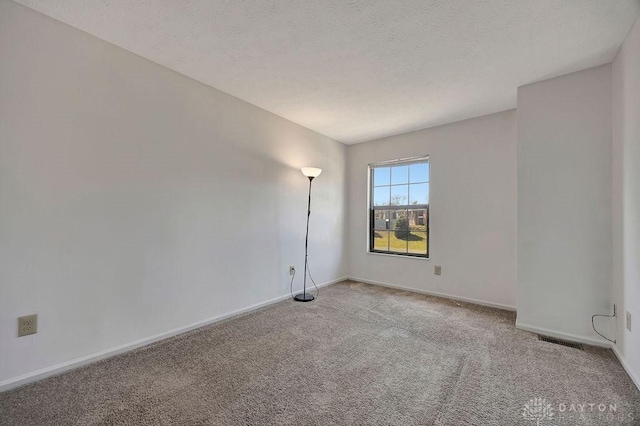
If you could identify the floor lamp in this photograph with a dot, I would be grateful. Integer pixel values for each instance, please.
(311, 173)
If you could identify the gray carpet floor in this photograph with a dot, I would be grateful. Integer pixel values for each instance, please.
(359, 355)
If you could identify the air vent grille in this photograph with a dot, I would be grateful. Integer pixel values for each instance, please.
(561, 342)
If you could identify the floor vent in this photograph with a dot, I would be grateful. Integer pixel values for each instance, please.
(561, 342)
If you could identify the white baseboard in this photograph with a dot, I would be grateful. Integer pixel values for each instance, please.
(627, 368)
(437, 294)
(79, 362)
(564, 336)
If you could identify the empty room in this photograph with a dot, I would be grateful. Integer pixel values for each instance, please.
(331, 212)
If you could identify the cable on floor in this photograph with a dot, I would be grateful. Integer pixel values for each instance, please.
(605, 316)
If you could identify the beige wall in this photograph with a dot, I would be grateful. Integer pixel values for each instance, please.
(472, 210)
(564, 203)
(136, 201)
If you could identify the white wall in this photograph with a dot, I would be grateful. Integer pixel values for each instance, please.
(472, 210)
(626, 198)
(135, 201)
(564, 203)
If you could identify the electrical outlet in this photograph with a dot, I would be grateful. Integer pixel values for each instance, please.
(27, 325)
(292, 270)
(628, 320)
(437, 270)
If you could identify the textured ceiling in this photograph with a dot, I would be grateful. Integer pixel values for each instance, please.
(356, 70)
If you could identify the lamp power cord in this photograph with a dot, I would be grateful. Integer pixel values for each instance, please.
(604, 316)
(312, 280)
(291, 285)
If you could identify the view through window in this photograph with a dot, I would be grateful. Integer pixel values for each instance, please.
(399, 207)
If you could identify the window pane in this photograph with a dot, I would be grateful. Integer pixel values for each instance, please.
(381, 176)
(399, 236)
(419, 172)
(381, 240)
(381, 219)
(399, 195)
(399, 174)
(419, 193)
(417, 219)
(398, 241)
(381, 196)
(418, 242)
(395, 229)
(397, 215)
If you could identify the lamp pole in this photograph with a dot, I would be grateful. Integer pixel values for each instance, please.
(311, 173)
(304, 297)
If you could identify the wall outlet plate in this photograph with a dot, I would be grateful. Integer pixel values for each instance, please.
(437, 270)
(628, 320)
(292, 270)
(27, 325)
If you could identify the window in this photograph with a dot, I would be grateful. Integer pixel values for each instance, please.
(399, 207)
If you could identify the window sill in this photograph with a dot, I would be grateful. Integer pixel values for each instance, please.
(397, 255)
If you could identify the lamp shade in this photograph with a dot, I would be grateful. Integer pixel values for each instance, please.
(311, 172)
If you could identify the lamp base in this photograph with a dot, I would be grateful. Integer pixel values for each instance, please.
(302, 297)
